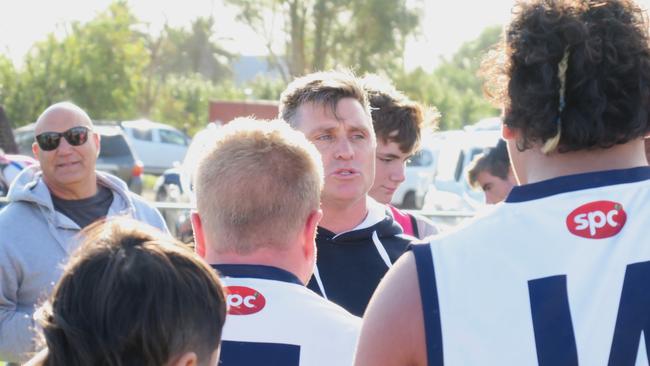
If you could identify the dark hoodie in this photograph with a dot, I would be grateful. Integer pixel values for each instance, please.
(350, 265)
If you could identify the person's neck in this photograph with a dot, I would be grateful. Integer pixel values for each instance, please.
(539, 167)
(339, 217)
(74, 192)
(283, 259)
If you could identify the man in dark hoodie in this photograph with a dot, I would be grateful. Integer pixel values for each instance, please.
(357, 238)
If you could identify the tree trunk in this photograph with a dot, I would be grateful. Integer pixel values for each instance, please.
(319, 56)
(297, 14)
(7, 141)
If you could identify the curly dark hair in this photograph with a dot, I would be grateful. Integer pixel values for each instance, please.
(607, 80)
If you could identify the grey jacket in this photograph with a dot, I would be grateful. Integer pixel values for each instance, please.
(35, 242)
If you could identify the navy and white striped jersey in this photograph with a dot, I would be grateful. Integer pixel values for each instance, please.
(274, 320)
(557, 275)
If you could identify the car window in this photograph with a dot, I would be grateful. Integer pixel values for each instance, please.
(172, 137)
(114, 145)
(141, 134)
(475, 151)
(420, 159)
(24, 141)
(447, 163)
(459, 166)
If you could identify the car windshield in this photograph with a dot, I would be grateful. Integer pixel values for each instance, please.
(114, 145)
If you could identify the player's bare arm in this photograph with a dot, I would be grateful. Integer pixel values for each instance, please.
(393, 331)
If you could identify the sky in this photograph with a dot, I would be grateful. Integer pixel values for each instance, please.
(445, 26)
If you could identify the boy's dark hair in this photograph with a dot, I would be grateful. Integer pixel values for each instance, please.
(495, 161)
(600, 99)
(130, 296)
(395, 118)
(325, 88)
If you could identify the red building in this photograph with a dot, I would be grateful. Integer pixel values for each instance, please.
(226, 111)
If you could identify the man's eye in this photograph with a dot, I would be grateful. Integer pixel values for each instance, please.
(358, 136)
(385, 160)
(323, 137)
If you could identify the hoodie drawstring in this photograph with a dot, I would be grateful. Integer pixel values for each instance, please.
(380, 249)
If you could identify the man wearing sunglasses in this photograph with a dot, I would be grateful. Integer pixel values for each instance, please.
(49, 205)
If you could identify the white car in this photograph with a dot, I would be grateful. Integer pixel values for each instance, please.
(175, 184)
(451, 190)
(419, 173)
(158, 145)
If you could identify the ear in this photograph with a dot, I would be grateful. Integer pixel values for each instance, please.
(35, 150)
(186, 359)
(507, 133)
(97, 140)
(309, 233)
(199, 236)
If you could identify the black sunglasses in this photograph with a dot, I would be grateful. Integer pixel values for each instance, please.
(75, 136)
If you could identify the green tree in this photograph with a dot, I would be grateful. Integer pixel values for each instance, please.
(181, 52)
(8, 86)
(183, 100)
(367, 35)
(98, 65)
(185, 52)
(265, 88)
(454, 86)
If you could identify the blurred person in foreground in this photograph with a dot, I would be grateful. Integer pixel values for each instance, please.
(491, 172)
(358, 239)
(48, 205)
(398, 123)
(559, 274)
(258, 191)
(132, 296)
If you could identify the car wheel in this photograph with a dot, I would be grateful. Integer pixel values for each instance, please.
(161, 194)
(409, 201)
(170, 216)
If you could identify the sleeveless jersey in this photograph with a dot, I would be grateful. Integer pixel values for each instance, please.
(274, 320)
(559, 274)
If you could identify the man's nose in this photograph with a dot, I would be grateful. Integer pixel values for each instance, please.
(344, 149)
(398, 174)
(64, 146)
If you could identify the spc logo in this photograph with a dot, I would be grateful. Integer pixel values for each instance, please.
(597, 220)
(244, 300)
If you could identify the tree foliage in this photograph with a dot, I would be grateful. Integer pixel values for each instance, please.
(454, 87)
(98, 65)
(115, 69)
(366, 35)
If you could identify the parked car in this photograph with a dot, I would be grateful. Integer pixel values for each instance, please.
(158, 145)
(419, 173)
(115, 155)
(175, 185)
(451, 190)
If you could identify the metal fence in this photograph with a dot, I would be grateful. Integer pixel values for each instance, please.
(170, 210)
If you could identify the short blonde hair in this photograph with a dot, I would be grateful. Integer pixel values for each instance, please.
(256, 185)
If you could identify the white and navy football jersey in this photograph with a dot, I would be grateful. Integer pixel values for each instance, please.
(557, 275)
(274, 320)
